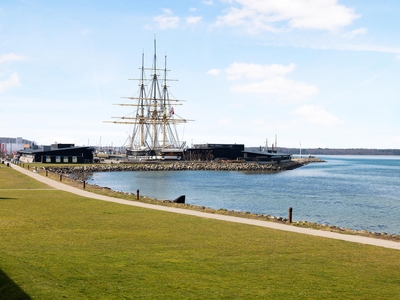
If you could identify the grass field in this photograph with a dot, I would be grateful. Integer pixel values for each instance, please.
(55, 245)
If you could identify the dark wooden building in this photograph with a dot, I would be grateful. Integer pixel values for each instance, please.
(208, 152)
(266, 156)
(58, 153)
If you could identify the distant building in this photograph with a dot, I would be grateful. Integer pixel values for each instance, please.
(266, 156)
(208, 152)
(11, 145)
(58, 153)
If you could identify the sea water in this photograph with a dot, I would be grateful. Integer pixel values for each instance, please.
(357, 192)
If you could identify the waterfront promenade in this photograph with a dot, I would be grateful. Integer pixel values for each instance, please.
(267, 224)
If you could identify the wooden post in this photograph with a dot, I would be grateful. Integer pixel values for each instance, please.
(47, 173)
(290, 214)
(84, 184)
(137, 194)
(60, 177)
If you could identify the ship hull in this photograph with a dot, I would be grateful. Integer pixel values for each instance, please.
(170, 154)
(140, 154)
(160, 154)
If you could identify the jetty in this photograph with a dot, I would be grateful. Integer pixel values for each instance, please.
(185, 166)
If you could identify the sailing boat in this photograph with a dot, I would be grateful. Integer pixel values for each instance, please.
(154, 135)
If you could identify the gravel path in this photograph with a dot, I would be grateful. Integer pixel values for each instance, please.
(278, 226)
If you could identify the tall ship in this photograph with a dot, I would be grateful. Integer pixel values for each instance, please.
(154, 134)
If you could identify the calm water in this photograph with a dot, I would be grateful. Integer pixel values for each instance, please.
(349, 191)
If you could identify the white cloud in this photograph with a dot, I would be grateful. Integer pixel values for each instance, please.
(355, 32)
(259, 15)
(368, 48)
(214, 72)
(167, 20)
(10, 83)
(12, 57)
(286, 89)
(270, 80)
(193, 19)
(255, 71)
(207, 2)
(316, 115)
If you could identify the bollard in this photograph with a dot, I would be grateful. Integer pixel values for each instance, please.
(28, 167)
(137, 194)
(290, 214)
(60, 177)
(84, 184)
(47, 173)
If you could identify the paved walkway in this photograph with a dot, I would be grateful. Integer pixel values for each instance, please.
(273, 225)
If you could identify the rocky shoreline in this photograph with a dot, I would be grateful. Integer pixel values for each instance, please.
(185, 166)
(78, 176)
(249, 215)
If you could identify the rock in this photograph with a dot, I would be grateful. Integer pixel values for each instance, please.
(178, 166)
(180, 199)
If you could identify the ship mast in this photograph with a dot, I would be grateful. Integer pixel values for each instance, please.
(154, 89)
(141, 107)
(154, 122)
(165, 91)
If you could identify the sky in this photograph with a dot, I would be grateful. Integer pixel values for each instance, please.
(315, 73)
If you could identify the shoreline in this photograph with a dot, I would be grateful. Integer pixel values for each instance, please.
(185, 166)
(76, 175)
(248, 215)
(303, 227)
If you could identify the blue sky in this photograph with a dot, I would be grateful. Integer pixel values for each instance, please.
(323, 73)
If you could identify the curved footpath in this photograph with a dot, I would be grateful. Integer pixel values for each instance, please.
(278, 226)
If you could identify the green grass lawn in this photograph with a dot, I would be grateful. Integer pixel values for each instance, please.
(55, 245)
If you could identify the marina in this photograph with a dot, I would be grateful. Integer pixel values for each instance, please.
(154, 120)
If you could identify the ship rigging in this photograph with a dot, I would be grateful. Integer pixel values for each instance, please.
(154, 134)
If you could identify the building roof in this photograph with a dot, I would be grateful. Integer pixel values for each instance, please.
(36, 151)
(264, 153)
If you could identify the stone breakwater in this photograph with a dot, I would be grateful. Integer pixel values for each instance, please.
(185, 166)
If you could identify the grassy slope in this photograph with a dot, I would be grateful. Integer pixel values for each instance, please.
(57, 245)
